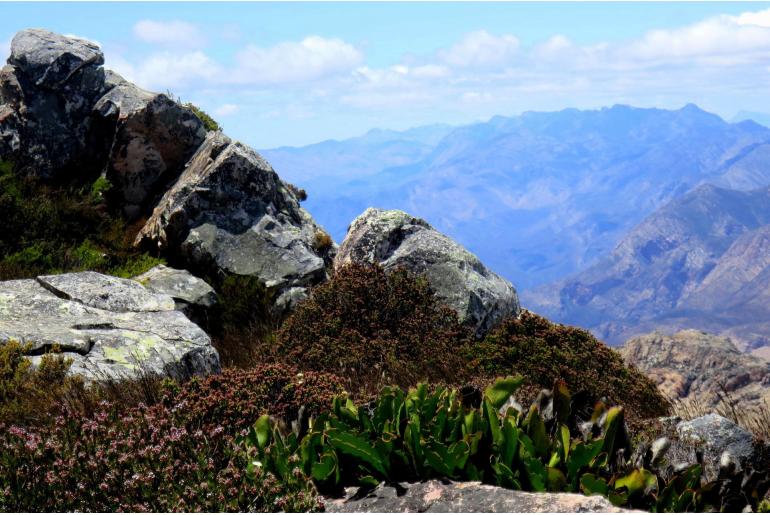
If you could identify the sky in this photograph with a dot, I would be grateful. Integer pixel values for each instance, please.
(295, 73)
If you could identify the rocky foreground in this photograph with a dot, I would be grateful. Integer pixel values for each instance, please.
(213, 208)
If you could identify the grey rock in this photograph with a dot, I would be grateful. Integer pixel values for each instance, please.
(192, 296)
(46, 93)
(230, 213)
(471, 497)
(102, 342)
(49, 59)
(716, 437)
(153, 139)
(395, 239)
(105, 292)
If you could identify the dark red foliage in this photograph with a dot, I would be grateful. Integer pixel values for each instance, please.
(178, 455)
(374, 328)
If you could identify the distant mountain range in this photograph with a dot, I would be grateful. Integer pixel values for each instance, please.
(701, 261)
(540, 196)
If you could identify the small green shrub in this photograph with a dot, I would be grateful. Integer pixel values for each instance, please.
(544, 352)
(28, 394)
(208, 122)
(427, 434)
(52, 229)
(374, 328)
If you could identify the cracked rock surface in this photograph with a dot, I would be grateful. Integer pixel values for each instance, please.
(111, 328)
(470, 497)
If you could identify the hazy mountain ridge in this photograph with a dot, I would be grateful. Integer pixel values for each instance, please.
(700, 261)
(539, 196)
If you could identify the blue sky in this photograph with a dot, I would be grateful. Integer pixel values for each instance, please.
(295, 73)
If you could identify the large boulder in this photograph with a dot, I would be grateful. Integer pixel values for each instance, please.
(192, 296)
(230, 213)
(111, 328)
(396, 239)
(471, 497)
(47, 92)
(63, 116)
(154, 136)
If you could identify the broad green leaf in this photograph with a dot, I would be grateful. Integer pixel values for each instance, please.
(638, 482)
(353, 445)
(581, 456)
(262, 431)
(562, 402)
(565, 442)
(325, 468)
(510, 442)
(537, 432)
(555, 480)
(494, 423)
(537, 474)
(502, 389)
(613, 427)
(592, 485)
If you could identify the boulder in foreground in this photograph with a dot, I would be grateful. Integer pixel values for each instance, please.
(471, 497)
(111, 328)
(395, 239)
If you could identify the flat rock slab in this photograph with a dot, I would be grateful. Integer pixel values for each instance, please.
(104, 343)
(180, 285)
(106, 292)
(471, 497)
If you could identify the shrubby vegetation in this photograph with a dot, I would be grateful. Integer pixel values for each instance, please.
(427, 434)
(377, 328)
(177, 454)
(374, 329)
(52, 229)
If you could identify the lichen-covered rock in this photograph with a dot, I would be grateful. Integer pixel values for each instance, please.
(192, 296)
(230, 213)
(47, 92)
(720, 440)
(111, 328)
(154, 137)
(471, 497)
(395, 239)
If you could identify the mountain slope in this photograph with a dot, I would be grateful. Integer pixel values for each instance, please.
(700, 261)
(541, 195)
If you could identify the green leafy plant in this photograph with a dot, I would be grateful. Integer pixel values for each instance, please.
(430, 433)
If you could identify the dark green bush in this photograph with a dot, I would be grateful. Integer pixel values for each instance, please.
(544, 352)
(61, 228)
(374, 328)
(208, 122)
(427, 434)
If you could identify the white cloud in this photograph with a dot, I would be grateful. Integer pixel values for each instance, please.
(168, 70)
(758, 18)
(481, 49)
(312, 58)
(172, 33)
(226, 109)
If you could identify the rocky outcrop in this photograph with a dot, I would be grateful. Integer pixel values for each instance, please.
(698, 368)
(110, 327)
(471, 497)
(219, 208)
(47, 92)
(154, 136)
(192, 296)
(230, 213)
(395, 239)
